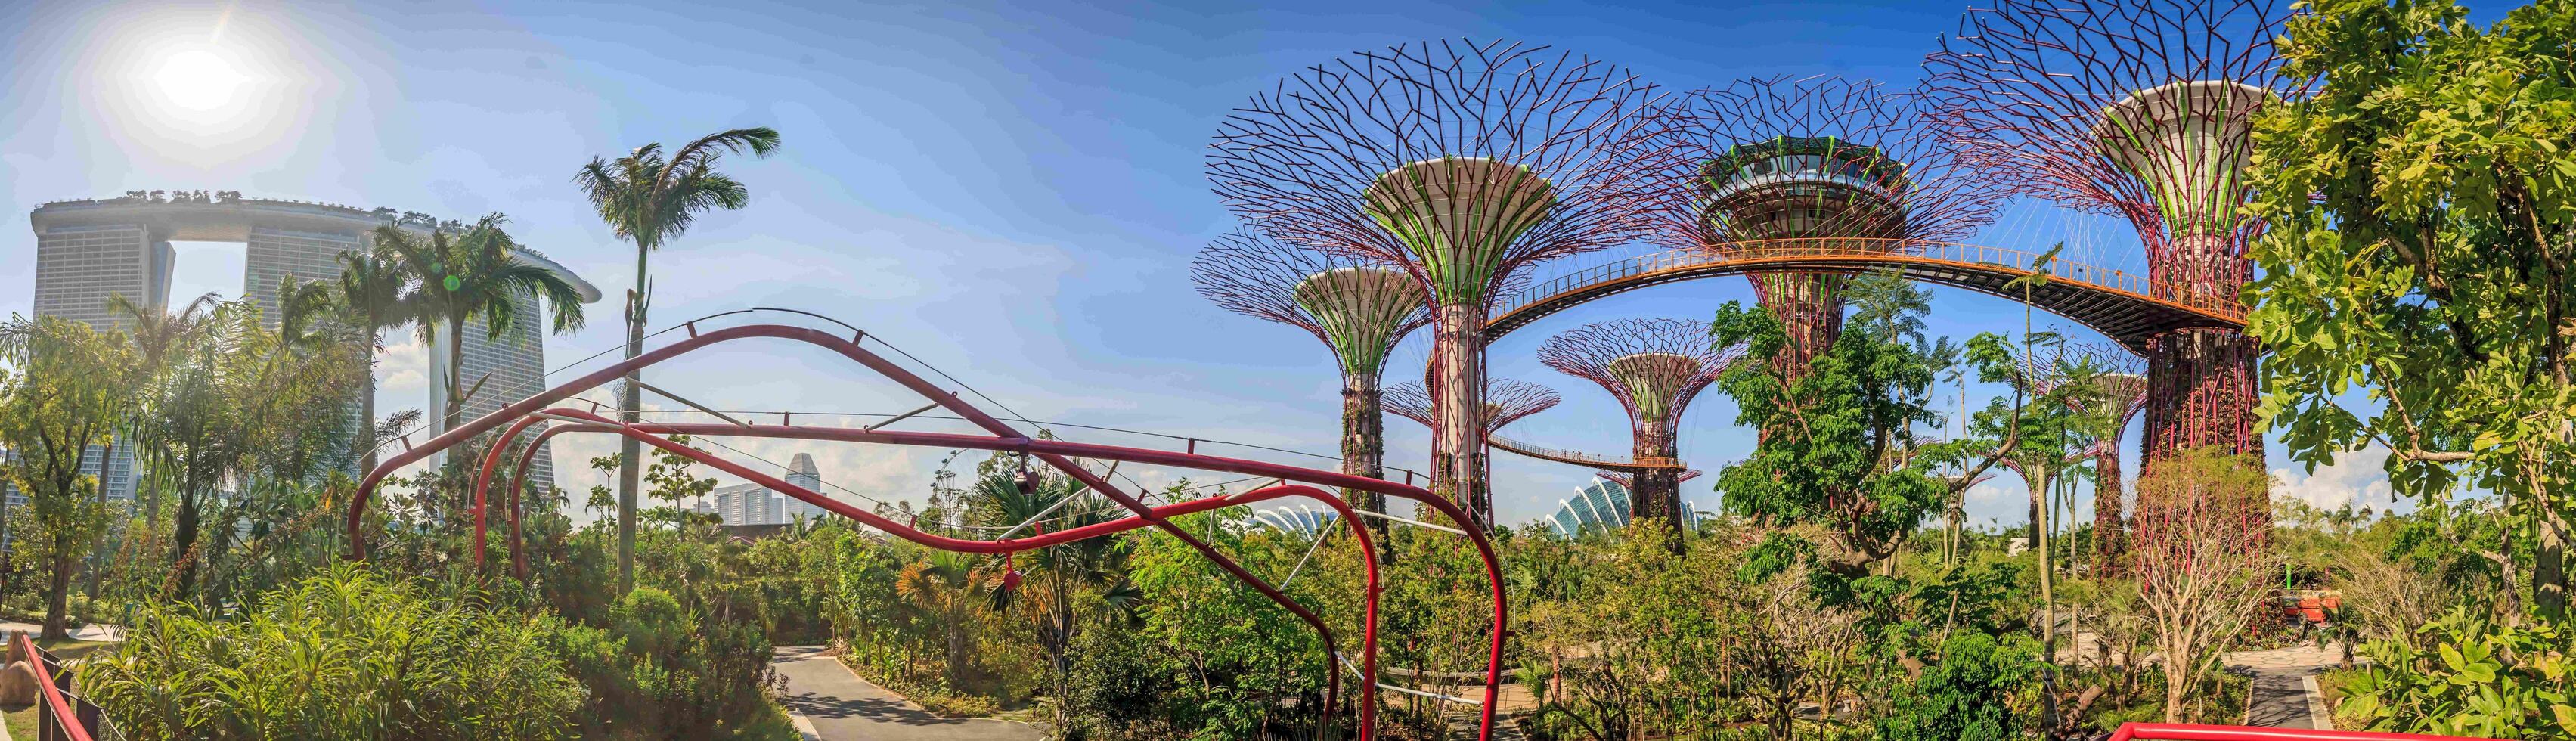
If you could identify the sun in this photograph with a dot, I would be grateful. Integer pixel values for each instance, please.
(198, 80)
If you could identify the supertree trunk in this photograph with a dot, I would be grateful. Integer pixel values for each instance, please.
(1459, 384)
(1364, 452)
(2201, 394)
(1810, 308)
(1656, 493)
(2108, 529)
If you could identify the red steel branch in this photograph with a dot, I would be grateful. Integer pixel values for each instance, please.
(1054, 453)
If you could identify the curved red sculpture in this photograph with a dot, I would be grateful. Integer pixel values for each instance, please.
(1055, 453)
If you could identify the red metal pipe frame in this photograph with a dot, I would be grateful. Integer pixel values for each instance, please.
(2182, 732)
(1005, 438)
(651, 434)
(52, 694)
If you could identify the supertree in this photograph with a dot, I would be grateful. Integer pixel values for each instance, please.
(1460, 162)
(2105, 382)
(1773, 166)
(1357, 307)
(2140, 109)
(1505, 401)
(1653, 367)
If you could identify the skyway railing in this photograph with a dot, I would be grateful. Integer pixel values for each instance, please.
(1578, 458)
(1792, 253)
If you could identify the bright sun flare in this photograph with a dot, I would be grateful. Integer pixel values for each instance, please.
(198, 80)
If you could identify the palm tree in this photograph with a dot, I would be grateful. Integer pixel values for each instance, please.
(157, 339)
(470, 275)
(647, 199)
(950, 587)
(373, 297)
(1061, 570)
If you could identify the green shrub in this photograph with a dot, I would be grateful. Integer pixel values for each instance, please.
(1966, 697)
(2479, 679)
(340, 655)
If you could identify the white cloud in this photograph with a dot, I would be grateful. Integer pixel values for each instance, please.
(402, 371)
(2357, 477)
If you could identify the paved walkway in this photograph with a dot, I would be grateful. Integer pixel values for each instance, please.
(2284, 690)
(843, 707)
(92, 632)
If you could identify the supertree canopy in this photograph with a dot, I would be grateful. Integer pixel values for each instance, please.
(1460, 162)
(1357, 307)
(1821, 164)
(2140, 109)
(1506, 401)
(1653, 367)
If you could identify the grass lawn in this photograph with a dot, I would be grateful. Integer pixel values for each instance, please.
(21, 719)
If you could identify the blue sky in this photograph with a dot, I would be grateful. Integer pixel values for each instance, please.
(1010, 191)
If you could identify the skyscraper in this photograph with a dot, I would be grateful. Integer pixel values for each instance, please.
(498, 370)
(801, 472)
(78, 266)
(87, 250)
(752, 504)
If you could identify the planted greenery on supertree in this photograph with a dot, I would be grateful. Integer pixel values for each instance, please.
(1654, 367)
(1459, 162)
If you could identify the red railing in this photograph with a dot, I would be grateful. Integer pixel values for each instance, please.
(59, 717)
(2182, 732)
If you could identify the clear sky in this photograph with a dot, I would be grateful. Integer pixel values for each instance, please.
(1011, 192)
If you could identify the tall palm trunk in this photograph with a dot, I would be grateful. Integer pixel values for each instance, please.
(455, 411)
(455, 375)
(630, 401)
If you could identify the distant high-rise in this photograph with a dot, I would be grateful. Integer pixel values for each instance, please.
(801, 472)
(90, 249)
(751, 504)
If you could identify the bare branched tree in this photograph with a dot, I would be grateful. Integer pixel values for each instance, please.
(2200, 559)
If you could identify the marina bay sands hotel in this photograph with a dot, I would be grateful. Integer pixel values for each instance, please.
(89, 250)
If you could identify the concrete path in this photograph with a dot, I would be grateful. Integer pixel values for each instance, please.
(2284, 690)
(842, 707)
(91, 632)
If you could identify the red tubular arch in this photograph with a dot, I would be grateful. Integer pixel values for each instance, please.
(651, 434)
(1005, 438)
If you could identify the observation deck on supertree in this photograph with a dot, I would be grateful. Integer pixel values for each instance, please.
(2141, 110)
(1459, 162)
(1775, 163)
(1654, 367)
(1359, 309)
